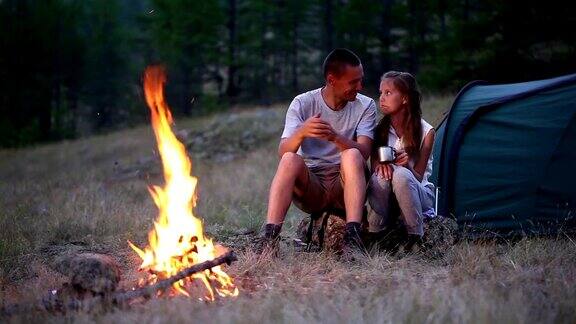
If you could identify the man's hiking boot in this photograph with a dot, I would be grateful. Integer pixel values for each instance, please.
(268, 242)
(353, 248)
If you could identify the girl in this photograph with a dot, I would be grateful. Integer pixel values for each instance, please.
(403, 128)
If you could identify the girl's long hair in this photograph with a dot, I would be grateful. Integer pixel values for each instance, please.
(406, 84)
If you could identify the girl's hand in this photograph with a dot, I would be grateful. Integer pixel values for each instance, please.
(402, 160)
(384, 171)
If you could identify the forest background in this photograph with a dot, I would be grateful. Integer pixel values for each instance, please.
(72, 68)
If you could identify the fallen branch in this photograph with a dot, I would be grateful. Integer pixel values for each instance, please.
(54, 303)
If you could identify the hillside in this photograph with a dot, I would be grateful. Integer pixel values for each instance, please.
(91, 195)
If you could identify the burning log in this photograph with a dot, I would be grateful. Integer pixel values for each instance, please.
(55, 302)
(161, 285)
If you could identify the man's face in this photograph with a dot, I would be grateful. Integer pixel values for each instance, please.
(347, 85)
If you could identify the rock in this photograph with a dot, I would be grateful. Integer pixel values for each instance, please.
(183, 135)
(93, 272)
(440, 234)
(333, 237)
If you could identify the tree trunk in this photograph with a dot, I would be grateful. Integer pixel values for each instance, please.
(442, 14)
(232, 89)
(417, 34)
(45, 116)
(264, 70)
(72, 103)
(385, 39)
(294, 53)
(328, 25)
(56, 76)
(186, 87)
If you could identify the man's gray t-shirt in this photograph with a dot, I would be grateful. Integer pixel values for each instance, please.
(357, 118)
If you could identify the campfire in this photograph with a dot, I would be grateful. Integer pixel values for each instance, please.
(180, 259)
(177, 240)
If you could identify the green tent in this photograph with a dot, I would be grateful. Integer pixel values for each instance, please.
(504, 157)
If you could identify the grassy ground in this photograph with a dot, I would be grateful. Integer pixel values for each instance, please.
(91, 195)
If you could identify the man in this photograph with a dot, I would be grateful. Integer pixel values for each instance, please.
(326, 141)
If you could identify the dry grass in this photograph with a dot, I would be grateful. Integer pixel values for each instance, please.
(63, 197)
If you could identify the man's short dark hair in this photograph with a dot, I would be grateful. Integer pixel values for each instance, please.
(336, 61)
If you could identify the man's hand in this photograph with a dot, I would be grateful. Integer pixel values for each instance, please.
(313, 127)
(317, 128)
(384, 171)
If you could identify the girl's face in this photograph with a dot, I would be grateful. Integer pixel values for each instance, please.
(391, 99)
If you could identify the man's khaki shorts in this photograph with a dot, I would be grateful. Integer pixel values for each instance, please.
(324, 189)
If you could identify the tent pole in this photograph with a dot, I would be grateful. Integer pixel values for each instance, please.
(436, 200)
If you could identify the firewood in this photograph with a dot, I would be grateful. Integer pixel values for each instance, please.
(54, 302)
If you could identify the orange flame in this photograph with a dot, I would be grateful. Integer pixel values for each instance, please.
(177, 240)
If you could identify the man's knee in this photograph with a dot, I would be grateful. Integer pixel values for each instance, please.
(291, 161)
(352, 157)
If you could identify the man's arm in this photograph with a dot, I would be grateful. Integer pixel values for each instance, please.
(364, 131)
(290, 144)
(363, 140)
(363, 144)
(313, 127)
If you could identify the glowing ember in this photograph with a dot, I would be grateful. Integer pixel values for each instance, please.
(177, 240)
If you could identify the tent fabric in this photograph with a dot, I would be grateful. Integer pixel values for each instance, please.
(503, 157)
